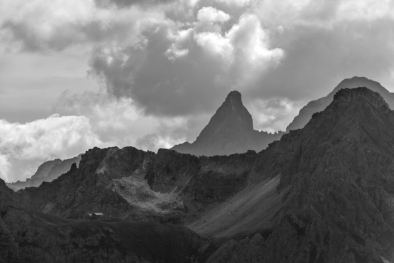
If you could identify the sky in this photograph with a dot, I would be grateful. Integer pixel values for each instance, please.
(148, 73)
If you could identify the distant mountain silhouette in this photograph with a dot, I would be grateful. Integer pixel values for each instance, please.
(46, 172)
(229, 131)
(306, 112)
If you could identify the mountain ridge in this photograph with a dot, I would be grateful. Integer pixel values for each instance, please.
(320, 104)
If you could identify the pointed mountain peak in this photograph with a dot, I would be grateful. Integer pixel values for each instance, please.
(232, 114)
(234, 96)
(233, 105)
(230, 130)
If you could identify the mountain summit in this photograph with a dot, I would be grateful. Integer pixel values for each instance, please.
(306, 112)
(229, 131)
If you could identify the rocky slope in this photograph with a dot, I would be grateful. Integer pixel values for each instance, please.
(132, 184)
(337, 175)
(229, 131)
(30, 236)
(46, 172)
(314, 106)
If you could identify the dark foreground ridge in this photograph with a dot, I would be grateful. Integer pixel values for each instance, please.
(318, 105)
(322, 194)
(229, 131)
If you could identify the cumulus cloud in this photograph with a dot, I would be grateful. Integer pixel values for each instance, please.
(211, 14)
(37, 141)
(273, 114)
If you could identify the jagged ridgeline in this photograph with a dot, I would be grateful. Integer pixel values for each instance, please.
(229, 131)
(323, 193)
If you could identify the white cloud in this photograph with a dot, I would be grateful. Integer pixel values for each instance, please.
(40, 140)
(122, 123)
(252, 40)
(274, 114)
(216, 44)
(179, 48)
(211, 14)
(247, 41)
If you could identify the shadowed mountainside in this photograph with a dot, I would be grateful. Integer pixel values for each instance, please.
(132, 184)
(338, 176)
(229, 131)
(30, 236)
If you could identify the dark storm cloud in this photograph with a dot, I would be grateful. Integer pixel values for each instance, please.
(159, 85)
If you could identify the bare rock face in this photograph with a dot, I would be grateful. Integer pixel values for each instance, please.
(229, 131)
(318, 105)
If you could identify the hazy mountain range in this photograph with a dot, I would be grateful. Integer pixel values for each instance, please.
(46, 172)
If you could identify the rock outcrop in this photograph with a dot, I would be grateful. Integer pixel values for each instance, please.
(318, 105)
(229, 131)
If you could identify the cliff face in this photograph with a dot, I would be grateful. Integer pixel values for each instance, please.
(229, 131)
(318, 105)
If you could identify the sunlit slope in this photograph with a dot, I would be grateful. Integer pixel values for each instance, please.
(250, 210)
